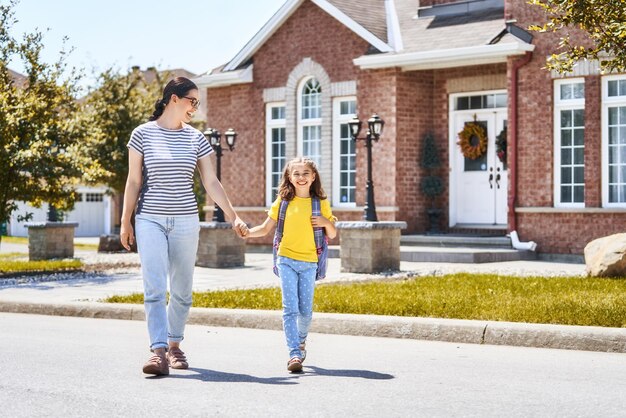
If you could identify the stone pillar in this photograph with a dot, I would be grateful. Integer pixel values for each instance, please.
(220, 246)
(47, 240)
(370, 247)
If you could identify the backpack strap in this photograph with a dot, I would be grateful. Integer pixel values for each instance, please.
(278, 235)
(318, 233)
(321, 242)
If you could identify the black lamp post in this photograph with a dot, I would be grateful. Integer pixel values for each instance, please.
(53, 215)
(215, 139)
(375, 128)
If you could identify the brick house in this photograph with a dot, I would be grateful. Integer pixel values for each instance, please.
(426, 66)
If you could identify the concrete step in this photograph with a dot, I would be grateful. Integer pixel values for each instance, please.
(456, 241)
(426, 254)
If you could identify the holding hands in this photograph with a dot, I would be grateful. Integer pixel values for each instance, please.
(240, 227)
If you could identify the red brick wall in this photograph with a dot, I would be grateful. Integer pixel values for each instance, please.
(415, 118)
(554, 232)
(309, 32)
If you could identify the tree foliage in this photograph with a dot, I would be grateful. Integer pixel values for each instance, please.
(119, 103)
(43, 135)
(603, 22)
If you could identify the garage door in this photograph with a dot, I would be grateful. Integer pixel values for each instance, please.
(89, 213)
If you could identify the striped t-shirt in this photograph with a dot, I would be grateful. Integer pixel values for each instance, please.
(169, 162)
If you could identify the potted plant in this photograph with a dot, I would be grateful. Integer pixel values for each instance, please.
(431, 184)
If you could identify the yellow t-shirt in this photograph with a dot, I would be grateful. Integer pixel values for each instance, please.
(298, 241)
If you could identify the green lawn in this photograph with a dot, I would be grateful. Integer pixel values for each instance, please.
(18, 263)
(562, 300)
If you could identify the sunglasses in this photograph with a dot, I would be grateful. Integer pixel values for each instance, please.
(194, 102)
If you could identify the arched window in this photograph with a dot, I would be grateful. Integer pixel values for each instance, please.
(310, 120)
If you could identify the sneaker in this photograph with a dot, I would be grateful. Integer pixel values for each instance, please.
(157, 365)
(294, 364)
(303, 350)
(176, 358)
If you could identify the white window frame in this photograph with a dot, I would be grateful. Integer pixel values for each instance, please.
(606, 103)
(301, 123)
(559, 105)
(271, 124)
(338, 120)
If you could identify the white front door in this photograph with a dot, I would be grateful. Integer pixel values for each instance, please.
(479, 185)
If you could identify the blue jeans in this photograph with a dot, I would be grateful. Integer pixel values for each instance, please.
(167, 248)
(297, 281)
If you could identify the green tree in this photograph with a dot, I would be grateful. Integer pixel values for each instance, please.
(603, 22)
(42, 133)
(119, 103)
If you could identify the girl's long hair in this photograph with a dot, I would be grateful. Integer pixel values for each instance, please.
(179, 86)
(286, 191)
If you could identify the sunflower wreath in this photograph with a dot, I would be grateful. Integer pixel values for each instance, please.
(470, 131)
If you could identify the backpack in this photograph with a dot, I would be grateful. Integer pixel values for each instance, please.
(321, 240)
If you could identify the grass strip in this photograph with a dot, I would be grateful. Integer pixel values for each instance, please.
(562, 300)
(24, 240)
(8, 266)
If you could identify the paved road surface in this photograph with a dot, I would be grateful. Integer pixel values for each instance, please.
(76, 367)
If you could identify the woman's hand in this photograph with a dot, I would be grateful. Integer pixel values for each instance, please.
(240, 227)
(127, 236)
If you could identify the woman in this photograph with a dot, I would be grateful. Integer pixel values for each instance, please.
(163, 155)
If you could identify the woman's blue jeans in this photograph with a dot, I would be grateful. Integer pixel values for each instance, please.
(167, 248)
(297, 279)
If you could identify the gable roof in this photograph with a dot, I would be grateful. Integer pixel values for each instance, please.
(342, 10)
(19, 79)
(441, 40)
(404, 35)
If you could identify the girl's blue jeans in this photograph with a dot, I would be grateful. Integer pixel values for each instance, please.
(297, 280)
(167, 248)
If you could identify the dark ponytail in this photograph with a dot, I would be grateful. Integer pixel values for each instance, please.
(179, 86)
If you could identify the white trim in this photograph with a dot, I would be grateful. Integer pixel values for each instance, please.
(225, 79)
(394, 36)
(606, 103)
(338, 120)
(284, 13)
(269, 125)
(559, 105)
(444, 58)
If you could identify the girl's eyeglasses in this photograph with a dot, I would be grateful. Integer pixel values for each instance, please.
(194, 102)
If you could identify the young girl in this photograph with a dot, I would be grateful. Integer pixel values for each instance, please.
(297, 261)
(163, 156)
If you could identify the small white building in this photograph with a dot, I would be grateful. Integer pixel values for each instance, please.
(92, 211)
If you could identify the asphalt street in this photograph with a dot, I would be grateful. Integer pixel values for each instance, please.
(78, 367)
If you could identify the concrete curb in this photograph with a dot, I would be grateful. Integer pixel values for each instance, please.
(434, 329)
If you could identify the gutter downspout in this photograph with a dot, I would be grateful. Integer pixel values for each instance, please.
(512, 142)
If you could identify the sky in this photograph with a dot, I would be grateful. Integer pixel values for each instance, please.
(194, 35)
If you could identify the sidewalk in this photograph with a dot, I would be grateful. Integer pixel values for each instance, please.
(62, 295)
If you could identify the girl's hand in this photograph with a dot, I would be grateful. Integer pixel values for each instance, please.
(319, 221)
(127, 236)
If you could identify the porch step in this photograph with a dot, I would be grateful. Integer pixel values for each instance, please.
(457, 254)
(463, 254)
(456, 240)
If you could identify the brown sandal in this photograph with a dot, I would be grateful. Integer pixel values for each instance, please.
(157, 365)
(294, 364)
(176, 358)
